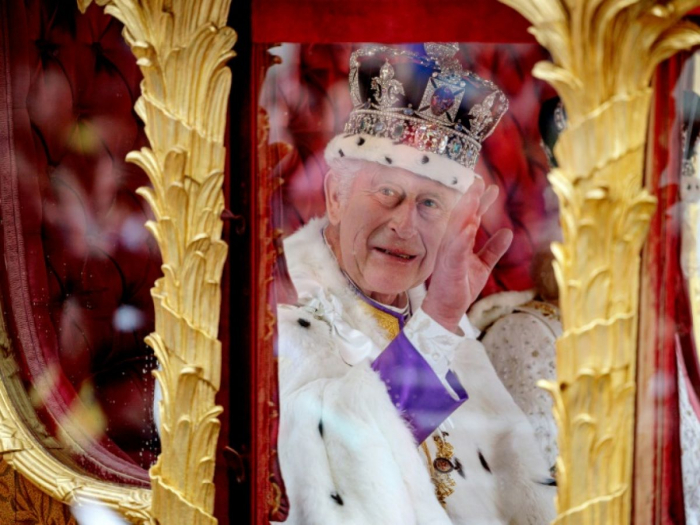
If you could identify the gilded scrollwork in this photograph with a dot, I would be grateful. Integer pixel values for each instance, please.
(603, 56)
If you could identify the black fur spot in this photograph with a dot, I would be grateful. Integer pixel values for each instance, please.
(388, 160)
(303, 322)
(360, 141)
(425, 159)
(483, 462)
(340, 152)
(459, 468)
(320, 427)
(454, 180)
(337, 498)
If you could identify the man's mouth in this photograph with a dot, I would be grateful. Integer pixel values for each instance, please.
(398, 255)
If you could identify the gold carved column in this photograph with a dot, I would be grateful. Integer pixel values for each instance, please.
(603, 55)
(182, 47)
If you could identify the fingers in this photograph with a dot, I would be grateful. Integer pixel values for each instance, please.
(465, 209)
(495, 247)
(455, 250)
(470, 201)
(470, 236)
(487, 199)
(465, 219)
(471, 206)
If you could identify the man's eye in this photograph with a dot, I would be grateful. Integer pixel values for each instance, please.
(387, 191)
(430, 203)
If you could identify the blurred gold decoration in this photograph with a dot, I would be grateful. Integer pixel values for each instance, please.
(25, 445)
(182, 48)
(604, 53)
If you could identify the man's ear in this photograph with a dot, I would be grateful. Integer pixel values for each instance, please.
(331, 187)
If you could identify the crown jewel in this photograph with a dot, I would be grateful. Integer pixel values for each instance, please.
(425, 101)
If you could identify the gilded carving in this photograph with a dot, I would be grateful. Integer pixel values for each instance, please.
(182, 48)
(603, 55)
(603, 52)
(25, 446)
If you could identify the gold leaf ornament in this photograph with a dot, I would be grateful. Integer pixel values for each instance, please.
(604, 53)
(182, 48)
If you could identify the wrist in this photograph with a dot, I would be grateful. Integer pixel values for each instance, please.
(448, 320)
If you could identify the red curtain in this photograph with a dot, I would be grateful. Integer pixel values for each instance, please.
(666, 320)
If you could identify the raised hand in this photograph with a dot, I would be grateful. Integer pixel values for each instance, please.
(460, 274)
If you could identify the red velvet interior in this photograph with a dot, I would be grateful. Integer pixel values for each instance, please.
(327, 21)
(79, 261)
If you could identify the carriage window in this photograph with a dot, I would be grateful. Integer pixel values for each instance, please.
(390, 157)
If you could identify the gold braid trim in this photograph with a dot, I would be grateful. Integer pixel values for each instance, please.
(387, 322)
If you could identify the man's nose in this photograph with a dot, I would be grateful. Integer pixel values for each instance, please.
(404, 219)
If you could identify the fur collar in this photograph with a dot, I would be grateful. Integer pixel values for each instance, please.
(310, 260)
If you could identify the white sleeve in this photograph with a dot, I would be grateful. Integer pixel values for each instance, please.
(436, 344)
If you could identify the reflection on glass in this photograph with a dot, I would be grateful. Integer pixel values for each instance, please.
(413, 194)
(688, 103)
(77, 259)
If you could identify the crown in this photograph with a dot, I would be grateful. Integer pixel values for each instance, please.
(425, 101)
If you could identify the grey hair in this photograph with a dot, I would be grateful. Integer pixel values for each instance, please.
(345, 170)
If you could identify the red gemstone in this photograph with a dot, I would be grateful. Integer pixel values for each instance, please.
(443, 465)
(441, 101)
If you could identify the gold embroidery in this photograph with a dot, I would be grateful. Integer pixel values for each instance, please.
(387, 322)
(545, 309)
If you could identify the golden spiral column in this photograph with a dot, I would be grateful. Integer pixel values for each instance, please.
(182, 47)
(603, 55)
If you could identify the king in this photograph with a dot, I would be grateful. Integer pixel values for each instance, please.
(391, 412)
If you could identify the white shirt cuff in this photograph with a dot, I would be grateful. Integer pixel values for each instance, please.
(434, 342)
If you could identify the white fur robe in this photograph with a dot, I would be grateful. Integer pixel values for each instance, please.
(346, 454)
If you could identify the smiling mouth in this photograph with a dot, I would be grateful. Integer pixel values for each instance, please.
(402, 256)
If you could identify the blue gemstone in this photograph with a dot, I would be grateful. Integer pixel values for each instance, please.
(455, 149)
(379, 127)
(397, 131)
(408, 111)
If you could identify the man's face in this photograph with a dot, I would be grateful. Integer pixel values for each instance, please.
(389, 228)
